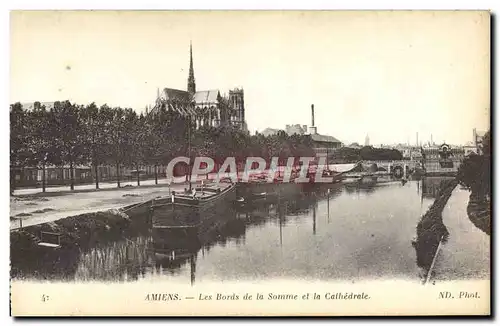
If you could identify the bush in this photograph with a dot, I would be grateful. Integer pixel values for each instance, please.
(475, 174)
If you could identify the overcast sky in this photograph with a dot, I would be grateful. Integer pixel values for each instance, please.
(385, 74)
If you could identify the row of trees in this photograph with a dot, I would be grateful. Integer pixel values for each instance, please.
(69, 134)
(368, 153)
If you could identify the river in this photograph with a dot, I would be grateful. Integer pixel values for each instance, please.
(349, 233)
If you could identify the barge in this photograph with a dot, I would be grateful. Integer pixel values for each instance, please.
(184, 218)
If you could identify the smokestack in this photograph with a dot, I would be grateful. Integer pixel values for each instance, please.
(417, 138)
(312, 115)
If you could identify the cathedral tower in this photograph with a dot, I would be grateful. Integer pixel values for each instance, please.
(236, 101)
(191, 83)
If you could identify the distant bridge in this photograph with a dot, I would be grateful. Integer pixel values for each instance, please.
(400, 167)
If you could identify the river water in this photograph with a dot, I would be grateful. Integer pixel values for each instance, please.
(349, 233)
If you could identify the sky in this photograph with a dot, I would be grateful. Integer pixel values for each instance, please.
(388, 75)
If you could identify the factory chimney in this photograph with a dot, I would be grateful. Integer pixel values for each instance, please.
(312, 128)
(312, 115)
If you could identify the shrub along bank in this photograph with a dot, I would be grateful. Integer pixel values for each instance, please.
(431, 228)
(77, 233)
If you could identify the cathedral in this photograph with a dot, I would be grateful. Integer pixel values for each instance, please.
(204, 107)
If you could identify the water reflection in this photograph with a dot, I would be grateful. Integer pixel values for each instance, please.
(328, 232)
(119, 261)
(431, 186)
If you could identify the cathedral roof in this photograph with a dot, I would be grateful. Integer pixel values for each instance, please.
(210, 96)
(175, 94)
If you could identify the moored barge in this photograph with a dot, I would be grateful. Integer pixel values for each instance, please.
(183, 218)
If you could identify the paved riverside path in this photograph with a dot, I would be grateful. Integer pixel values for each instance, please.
(466, 254)
(61, 202)
(32, 206)
(102, 186)
(110, 185)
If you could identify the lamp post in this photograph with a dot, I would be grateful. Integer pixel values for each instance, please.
(43, 171)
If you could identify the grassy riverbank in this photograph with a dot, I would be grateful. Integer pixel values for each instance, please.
(475, 175)
(431, 229)
(77, 233)
(479, 211)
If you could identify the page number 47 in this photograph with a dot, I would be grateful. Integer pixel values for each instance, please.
(45, 298)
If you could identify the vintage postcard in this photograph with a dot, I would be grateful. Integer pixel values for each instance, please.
(250, 163)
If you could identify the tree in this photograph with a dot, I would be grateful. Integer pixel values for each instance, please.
(475, 171)
(42, 140)
(487, 144)
(94, 130)
(370, 153)
(117, 141)
(347, 154)
(153, 143)
(19, 133)
(136, 140)
(68, 135)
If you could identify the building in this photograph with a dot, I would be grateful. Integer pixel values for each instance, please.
(470, 149)
(443, 159)
(355, 146)
(207, 108)
(237, 102)
(269, 132)
(367, 140)
(296, 129)
(324, 145)
(31, 106)
(413, 153)
(477, 140)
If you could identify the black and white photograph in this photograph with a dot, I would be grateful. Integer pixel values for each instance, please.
(252, 163)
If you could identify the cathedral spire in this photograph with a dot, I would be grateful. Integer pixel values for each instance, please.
(191, 83)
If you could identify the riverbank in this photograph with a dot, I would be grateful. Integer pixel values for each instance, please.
(431, 230)
(466, 253)
(43, 208)
(72, 234)
(479, 212)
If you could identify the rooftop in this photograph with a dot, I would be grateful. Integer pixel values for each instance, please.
(31, 105)
(210, 96)
(324, 138)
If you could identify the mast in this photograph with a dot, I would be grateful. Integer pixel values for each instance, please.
(192, 261)
(328, 205)
(281, 226)
(314, 217)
